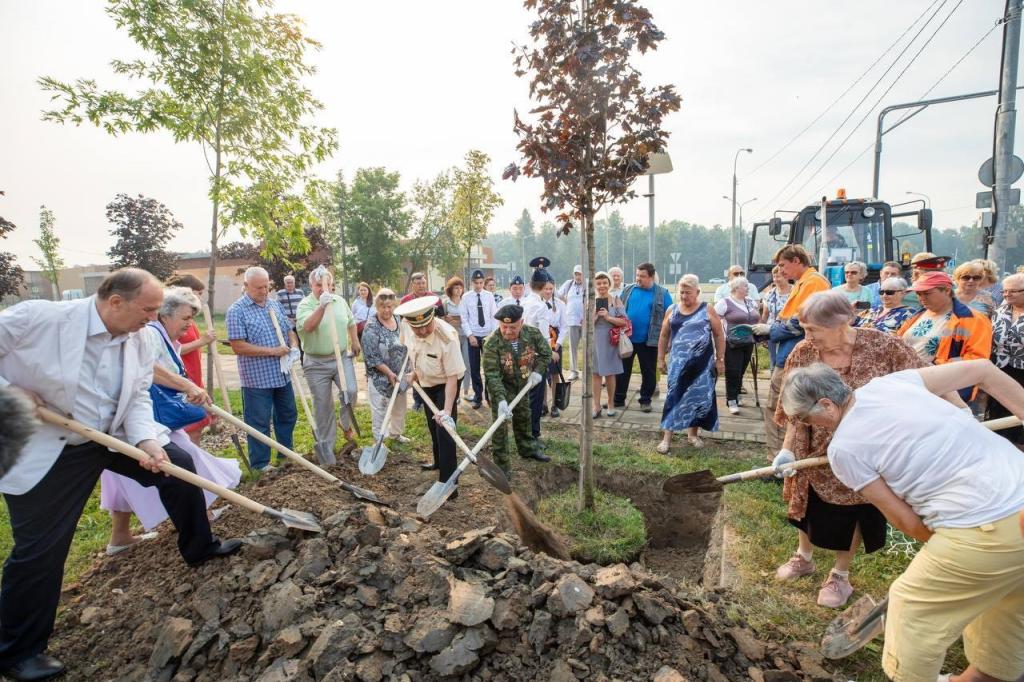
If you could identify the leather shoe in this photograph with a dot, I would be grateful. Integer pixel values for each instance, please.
(224, 548)
(476, 404)
(38, 667)
(428, 467)
(555, 412)
(645, 407)
(539, 456)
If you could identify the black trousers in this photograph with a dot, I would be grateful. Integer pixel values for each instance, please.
(1014, 434)
(43, 522)
(475, 354)
(736, 361)
(648, 356)
(445, 455)
(537, 394)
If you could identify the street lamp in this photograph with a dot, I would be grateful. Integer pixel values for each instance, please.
(740, 208)
(922, 194)
(732, 232)
(656, 165)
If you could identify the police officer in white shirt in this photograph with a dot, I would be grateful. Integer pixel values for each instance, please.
(476, 311)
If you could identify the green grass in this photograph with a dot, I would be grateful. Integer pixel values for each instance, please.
(613, 532)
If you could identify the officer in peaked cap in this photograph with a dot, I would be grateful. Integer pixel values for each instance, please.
(514, 357)
(436, 363)
(540, 262)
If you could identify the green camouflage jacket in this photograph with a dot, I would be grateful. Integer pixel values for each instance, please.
(505, 370)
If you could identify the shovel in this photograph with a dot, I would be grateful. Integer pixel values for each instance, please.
(372, 458)
(289, 517)
(857, 626)
(345, 404)
(360, 493)
(300, 388)
(705, 482)
(434, 498)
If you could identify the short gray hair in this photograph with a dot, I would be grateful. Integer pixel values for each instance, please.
(803, 387)
(863, 269)
(690, 280)
(289, 277)
(737, 282)
(827, 308)
(1014, 281)
(175, 298)
(898, 282)
(255, 271)
(616, 268)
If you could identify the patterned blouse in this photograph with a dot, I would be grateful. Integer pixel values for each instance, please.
(381, 346)
(925, 334)
(1007, 338)
(983, 303)
(874, 354)
(888, 321)
(774, 301)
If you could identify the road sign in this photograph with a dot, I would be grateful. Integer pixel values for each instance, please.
(675, 257)
(984, 199)
(987, 176)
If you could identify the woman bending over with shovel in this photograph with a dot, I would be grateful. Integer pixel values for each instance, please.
(946, 480)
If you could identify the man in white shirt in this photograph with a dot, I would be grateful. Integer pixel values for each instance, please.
(573, 292)
(83, 359)
(946, 480)
(477, 310)
(722, 292)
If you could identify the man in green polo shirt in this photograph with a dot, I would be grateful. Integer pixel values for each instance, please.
(319, 363)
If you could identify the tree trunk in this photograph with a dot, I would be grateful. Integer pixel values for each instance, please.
(214, 233)
(341, 268)
(586, 483)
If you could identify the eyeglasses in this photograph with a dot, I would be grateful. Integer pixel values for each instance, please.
(737, 273)
(1013, 291)
(386, 297)
(891, 292)
(973, 277)
(853, 272)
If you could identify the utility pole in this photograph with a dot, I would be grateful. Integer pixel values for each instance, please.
(732, 230)
(1006, 119)
(340, 268)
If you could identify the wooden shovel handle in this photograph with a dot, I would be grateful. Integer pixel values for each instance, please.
(500, 420)
(764, 472)
(394, 393)
(451, 432)
(1001, 423)
(135, 453)
(337, 351)
(299, 387)
(217, 369)
(270, 442)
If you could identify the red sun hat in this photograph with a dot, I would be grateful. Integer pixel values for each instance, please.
(932, 280)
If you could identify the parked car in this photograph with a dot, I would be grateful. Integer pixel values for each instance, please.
(716, 280)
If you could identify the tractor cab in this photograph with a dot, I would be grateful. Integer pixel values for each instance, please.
(855, 230)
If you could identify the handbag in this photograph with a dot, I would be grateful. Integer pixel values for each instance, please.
(619, 337)
(563, 392)
(739, 336)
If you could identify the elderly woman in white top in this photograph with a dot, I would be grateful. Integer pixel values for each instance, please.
(946, 480)
(618, 283)
(122, 496)
(735, 310)
(855, 272)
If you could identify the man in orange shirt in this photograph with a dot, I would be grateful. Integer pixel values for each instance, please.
(786, 332)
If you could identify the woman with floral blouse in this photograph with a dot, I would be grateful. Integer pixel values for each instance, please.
(1008, 346)
(891, 315)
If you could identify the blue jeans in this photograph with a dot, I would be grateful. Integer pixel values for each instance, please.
(259, 407)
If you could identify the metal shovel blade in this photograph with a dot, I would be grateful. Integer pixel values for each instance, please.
(363, 493)
(492, 473)
(372, 458)
(436, 496)
(852, 630)
(295, 519)
(692, 483)
(352, 419)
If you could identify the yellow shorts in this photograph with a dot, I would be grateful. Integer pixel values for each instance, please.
(964, 580)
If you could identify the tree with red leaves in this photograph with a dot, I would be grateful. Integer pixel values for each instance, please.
(591, 133)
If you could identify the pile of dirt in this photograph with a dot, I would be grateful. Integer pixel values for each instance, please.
(382, 596)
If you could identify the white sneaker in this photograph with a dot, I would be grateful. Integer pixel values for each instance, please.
(572, 376)
(734, 408)
(265, 469)
(117, 549)
(401, 439)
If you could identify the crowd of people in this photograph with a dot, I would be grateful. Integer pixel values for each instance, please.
(129, 363)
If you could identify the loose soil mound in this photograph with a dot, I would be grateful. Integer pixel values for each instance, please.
(381, 595)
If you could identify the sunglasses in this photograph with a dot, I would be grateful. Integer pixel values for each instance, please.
(386, 297)
(973, 277)
(891, 292)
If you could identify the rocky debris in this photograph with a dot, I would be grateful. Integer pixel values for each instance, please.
(379, 596)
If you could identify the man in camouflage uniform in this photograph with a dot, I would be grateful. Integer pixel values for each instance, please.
(514, 356)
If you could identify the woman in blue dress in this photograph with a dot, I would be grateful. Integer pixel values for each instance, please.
(691, 350)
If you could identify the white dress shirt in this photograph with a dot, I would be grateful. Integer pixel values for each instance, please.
(558, 317)
(469, 313)
(99, 378)
(573, 293)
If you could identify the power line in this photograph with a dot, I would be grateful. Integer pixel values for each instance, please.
(877, 102)
(907, 115)
(844, 93)
(853, 111)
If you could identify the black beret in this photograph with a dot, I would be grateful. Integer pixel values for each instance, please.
(477, 274)
(509, 313)
(517, 280)
(540, 262)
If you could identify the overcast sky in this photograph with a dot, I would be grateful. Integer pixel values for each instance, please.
(413, 85)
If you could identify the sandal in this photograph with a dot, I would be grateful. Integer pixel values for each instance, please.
(695, 441)
(597, 414)
(663, 447)
(117, 549)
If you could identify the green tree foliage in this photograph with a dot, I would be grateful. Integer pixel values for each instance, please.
(228, 75)
(434, 242)
(48, 242)
(11, 274)
(592, 130)
(474, 202)
(524, 231)
(376, 221)
(143, 227)
(320, 250)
